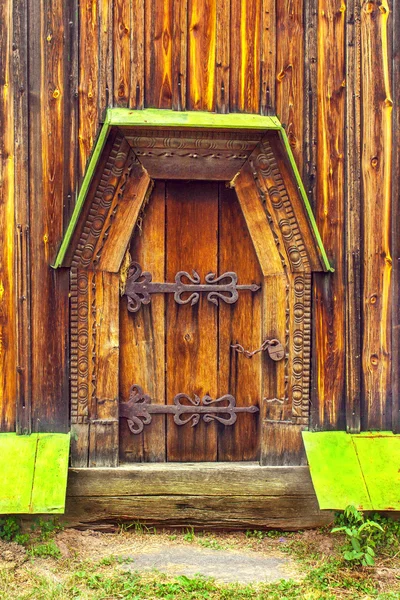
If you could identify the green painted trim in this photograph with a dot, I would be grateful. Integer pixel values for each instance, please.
(361, 469)
(97, 150)
(33, 472)
(124, 117)
(307, 204)
(154, 117)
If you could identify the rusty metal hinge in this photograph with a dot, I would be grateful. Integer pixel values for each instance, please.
(138, 409)
(139, 287)
(274, 348)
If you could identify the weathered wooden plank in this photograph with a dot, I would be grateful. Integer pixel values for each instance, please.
(106, 56)
(268, 57)
(251, 205)
(395, 24)
(179, 54)
(191, 334)
(8, 356)
(202, 31)
(142, 336)
(282, 444)
(290, 72)
(183, 479)
(122, 52)
(130, 197)
(21, 195)
(239, 324)
(88, 79)
(310, 99)
(49, 307)
(207, 512)
(376, 174)
(328, 410)
(138, 64)
(222, 56)
(353, 216)
(245, 55)
(158, 54)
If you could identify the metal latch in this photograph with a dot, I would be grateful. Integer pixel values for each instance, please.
(274, 348)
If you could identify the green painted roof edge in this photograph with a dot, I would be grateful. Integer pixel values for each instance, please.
(125, 117)
(306, 201)
(94, 158)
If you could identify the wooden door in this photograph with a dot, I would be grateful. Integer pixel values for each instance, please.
(168, 348)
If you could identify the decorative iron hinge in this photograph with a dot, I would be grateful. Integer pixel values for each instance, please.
(138, 409)
(139, 287)
(274, 348)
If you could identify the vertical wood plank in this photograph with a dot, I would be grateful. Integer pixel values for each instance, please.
(290, 72)
(8, 358)
(222, 73)
(245, 55)
(376, 173)
(106, 57)
(310, 99)
(142, 336)
(395, 25)
(158, 55)
(191, 335)
(328, 409)
(103, 444)
(202, 54)
(21, 194)
(179, 53)
(88, 79)
(239, 323)
(138, 42)
(353, 216)
(268, 57)
(49, 307)
(122, 52)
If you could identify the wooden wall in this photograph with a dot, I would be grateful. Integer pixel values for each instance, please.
(327, 68)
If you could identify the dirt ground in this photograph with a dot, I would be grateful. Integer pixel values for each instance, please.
(289, 556)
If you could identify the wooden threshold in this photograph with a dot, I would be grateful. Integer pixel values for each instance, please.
(202, 495)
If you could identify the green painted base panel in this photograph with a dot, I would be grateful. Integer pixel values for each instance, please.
(33, 472)
(358, 469)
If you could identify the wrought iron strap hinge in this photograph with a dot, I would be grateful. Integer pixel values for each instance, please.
(138, 410)
(139, 287)
(274, 348)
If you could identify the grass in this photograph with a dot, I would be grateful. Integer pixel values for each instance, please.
(327, 576)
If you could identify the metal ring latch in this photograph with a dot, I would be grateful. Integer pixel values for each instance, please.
(274, 348)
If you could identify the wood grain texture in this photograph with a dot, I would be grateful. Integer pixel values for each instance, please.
(239, 323)
(328, 409)
(395, 24)
(353, 217)
(142, 336)
(245, 56)
(158, 53)
(21, 195)
(191, 331)
(8, 357)
(222, 56)
(207, 512)
(137, 99)
(376, 173)
(268, 57)
(88, 79)
(106, 56)
(289, 100)
(49, 306)
(22, 233)
(122, 52)
(179, 53)
(202, 32)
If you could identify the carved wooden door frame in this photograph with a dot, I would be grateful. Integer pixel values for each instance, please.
(251, 154)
